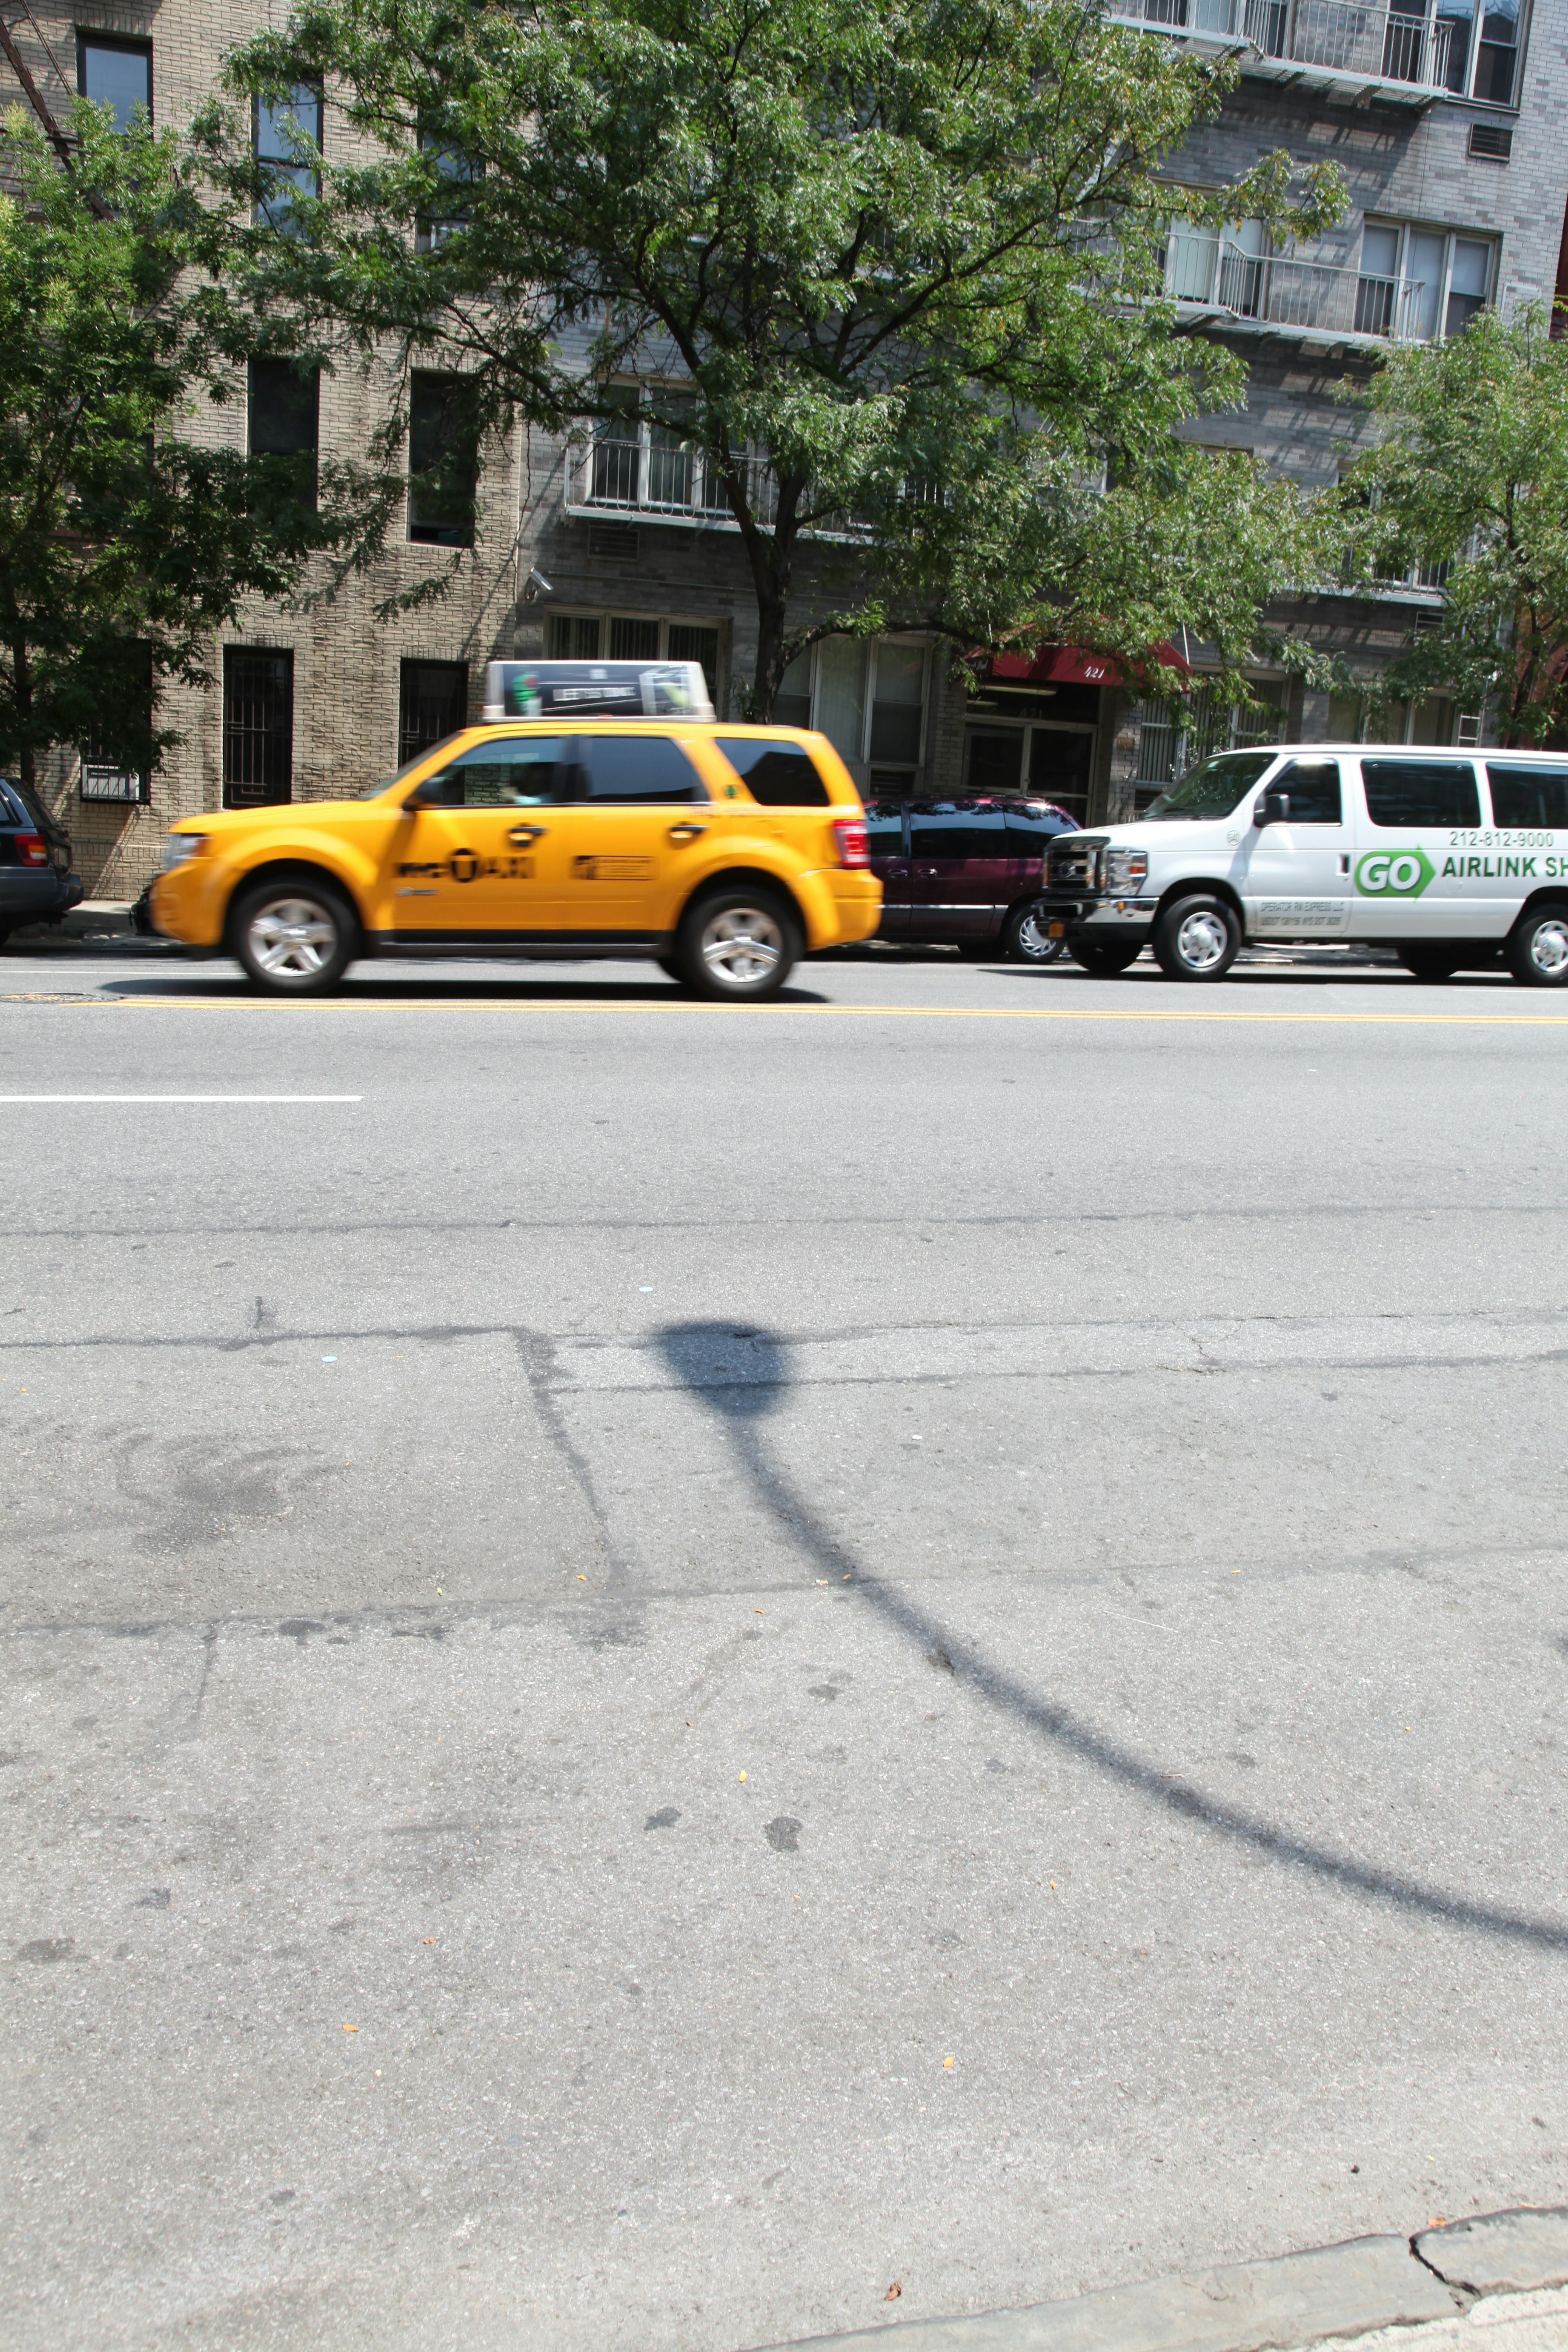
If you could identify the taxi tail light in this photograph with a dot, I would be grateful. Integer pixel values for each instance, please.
(32, 849)
(854, 842)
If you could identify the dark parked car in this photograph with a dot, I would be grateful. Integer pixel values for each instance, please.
(36, 878)
(965, 872)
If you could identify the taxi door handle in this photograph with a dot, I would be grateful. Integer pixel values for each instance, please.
(522, 834)
(686, 832)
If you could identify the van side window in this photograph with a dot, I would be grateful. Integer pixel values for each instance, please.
(1314, 789)
(957, 830)
(632, 769)
(1404, 793)
(1528, 796)
(779, 775)
(885, 828)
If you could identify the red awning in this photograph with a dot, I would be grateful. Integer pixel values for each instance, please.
(1069, 665)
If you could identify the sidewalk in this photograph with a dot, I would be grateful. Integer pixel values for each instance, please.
(1493, 2284)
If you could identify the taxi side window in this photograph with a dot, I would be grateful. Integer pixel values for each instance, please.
(1314, 789)
(627, 770)
(779, 775)
(510, 771)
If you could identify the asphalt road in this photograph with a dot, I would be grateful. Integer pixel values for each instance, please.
(683, 1663)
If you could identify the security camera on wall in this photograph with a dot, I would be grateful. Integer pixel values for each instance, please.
(535, 586)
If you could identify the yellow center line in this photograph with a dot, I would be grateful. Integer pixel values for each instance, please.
(1215, 1013)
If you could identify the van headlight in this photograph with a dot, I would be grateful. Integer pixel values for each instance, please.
(1126, 869)
(178, 846)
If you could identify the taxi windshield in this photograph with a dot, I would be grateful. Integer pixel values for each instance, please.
(428, 751)
(1212, 788)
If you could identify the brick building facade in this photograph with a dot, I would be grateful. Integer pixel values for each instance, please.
(1444, 125)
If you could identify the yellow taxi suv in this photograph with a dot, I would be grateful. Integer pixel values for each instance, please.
(613, 815)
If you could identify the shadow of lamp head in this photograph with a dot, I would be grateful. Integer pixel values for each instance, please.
(739, 1371)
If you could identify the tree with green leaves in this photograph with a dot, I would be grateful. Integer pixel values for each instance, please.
(891, 276)
(1468, 479)
(126, 541)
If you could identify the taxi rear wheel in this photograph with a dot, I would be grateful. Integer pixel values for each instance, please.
(294, 938)
(738, 945)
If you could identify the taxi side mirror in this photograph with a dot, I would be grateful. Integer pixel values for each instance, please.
(431, 793)
(1272, 808)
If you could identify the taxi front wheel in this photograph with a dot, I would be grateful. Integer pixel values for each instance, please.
(294, 938)
(738, 945)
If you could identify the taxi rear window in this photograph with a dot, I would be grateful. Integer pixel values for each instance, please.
(780, 775)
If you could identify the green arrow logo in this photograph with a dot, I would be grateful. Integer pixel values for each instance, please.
(1394, 874)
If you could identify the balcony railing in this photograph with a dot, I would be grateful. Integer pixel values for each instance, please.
(1305, 297)
(1335, 39)
(649, 472)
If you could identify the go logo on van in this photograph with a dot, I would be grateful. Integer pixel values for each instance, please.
(1394, 874)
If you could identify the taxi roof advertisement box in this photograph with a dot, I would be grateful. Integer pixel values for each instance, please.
(551, 690)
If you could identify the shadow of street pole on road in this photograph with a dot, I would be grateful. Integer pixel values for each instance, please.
(742, 1373)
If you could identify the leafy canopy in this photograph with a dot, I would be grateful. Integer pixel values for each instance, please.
(124, 543)
(1470, 471)
(892, 272)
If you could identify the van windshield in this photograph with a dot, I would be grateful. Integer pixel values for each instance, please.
(1213, 787)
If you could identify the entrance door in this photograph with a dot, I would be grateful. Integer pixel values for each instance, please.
(1296, 877)
(1061, 762)
(476, 863)
(890, 864)
(1417, 876)
(959, 857)
(623, 844)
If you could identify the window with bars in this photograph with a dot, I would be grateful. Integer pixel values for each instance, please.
(626, 636)
(258, 727)
(432, 703)
(1172, 737)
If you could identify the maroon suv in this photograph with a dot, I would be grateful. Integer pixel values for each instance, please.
(965, 873)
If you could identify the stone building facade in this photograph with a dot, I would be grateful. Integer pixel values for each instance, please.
(1441, 114)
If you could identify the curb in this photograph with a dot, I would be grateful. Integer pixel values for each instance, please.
(1271, 2307)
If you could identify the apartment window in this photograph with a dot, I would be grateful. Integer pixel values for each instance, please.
(282, 129)
(114, 73)
(1420, 284)
(1363, 718)
(443, 460)
(580, 636)
(1217, 267)
(454, 174)
(866, 696)
(258, 727)
(1483, 48)
(283, 409)
(432, 703)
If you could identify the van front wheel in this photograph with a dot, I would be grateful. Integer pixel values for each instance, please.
(1197, 938)
(1538, 948)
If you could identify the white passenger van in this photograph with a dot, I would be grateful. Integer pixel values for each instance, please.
(1456, 860)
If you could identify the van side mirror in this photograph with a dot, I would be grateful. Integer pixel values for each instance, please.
(1271, 808)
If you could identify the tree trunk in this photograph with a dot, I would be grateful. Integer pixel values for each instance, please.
(772, 560)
